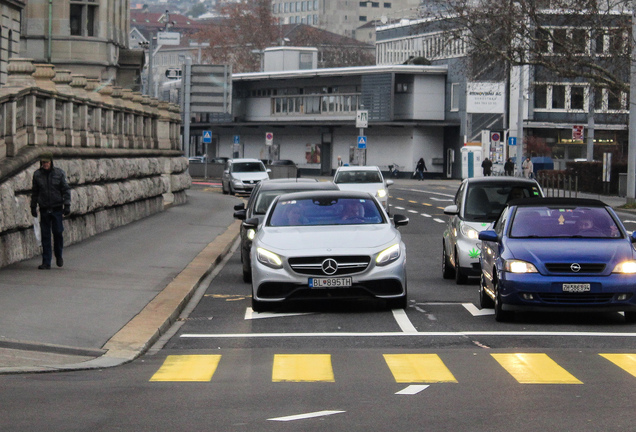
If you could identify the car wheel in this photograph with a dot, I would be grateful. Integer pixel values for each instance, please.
(398, 303)
(223, 188)
(447, 269)
(485, 302)
(460, 276)
(500, 314)
(231, 189)
(247, 271)
(630, 316)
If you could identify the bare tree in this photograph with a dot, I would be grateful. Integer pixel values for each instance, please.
(585, 40)
(240, 37)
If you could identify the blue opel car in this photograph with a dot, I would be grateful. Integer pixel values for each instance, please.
(557, 254)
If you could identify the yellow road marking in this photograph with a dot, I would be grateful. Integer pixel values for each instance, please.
(535, 369)
(302, 368)
(427, 204)
(411, 368)
(627, 362)
(187, 368)
(401, 199)
(441, 208)
(414, 202)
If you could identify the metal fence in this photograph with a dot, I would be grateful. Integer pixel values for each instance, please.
(559, 185)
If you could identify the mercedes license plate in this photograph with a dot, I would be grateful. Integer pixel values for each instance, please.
(576, 287)
(329, 282)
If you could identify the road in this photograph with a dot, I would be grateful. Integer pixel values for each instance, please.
(440, 365)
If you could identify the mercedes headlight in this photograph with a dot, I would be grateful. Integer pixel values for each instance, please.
(388, 255)
(270, 259)
(518, 266)
(626, 267)
(381, 193)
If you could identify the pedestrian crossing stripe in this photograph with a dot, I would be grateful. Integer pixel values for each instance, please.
(418, 368)
(302, 368)
(627, 362)
(528, 368)
(187, 368)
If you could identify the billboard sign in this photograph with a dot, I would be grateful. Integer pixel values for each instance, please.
(485, 97)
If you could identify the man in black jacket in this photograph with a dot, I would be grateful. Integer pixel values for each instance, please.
(52, 194)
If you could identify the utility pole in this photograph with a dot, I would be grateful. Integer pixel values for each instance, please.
(631, 148)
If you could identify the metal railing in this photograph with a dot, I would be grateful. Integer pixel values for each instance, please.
(559, 185)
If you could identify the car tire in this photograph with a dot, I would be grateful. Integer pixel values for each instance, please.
(630, 317)
(460, 276)
(447, 270)
(485, 302)
(223, 188)
(247, 271)
(500, 314)
(231, 189)
(398, 303)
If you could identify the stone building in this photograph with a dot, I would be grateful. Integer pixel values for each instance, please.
(88, 37)
(11, 11)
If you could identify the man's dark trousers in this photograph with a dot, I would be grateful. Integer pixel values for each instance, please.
(51, 221)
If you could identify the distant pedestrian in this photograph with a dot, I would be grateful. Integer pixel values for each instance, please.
(52, 194)
(420, 168)
(528, 168)
(340, 162)
(486, 165)
(509, 167)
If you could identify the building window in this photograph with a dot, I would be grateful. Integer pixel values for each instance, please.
(82, 17)
(375, 4)
(362, 18)
(577, 98)
(387, 5)
(455, 89)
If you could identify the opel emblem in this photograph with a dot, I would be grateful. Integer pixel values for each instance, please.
(329, 266)
(575, 267)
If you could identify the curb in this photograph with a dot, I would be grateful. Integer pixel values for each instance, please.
(143, 330)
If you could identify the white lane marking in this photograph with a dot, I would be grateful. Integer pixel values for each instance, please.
(475, 311)
(413, 389)
(398, 208)
(629, 221)
(403, 321)
(426, 215)
(439, 220)
(412, 211)
(410, 334)
(306, 416)
(441, 199)
(250, 314)
(427, 192)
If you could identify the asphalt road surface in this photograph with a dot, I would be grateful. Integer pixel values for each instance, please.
(442, 364)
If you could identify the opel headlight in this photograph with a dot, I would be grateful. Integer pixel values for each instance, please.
(388, 255)
(626, 267)
(270, 259)
(469, 232)
(381, 193)
(518, 266)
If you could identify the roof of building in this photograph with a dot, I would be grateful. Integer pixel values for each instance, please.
(353, 70)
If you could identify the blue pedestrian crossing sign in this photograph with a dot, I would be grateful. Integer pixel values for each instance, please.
(207, 137)
(362, 142)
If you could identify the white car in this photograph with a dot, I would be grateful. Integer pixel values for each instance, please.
(364, 179)
(241, 175)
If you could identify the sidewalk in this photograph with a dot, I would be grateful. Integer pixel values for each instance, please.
(117, 292)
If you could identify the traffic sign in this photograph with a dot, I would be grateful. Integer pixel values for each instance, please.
(269, 138)
(362, 118)
(237, 139)
(512, 141)
(577, 132)
(495, 137)
(362, 142)
(207, 137)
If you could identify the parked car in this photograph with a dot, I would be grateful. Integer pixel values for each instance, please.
(221, 159)
(260, 199)
(327, 244)
(478, 202)
(241, 175)
(283, 162)
(197, 159)
(366, 179)
(558, 254)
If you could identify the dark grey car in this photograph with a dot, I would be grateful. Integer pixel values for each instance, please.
(260, 199)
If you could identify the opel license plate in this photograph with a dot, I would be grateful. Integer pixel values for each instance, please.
(576, 287)
(329, 282)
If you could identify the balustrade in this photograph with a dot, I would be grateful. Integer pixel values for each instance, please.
(42, 106)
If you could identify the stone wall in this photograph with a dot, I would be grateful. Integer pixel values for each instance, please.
(108, 191)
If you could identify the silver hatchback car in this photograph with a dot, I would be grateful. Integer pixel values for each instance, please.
(478, 202)
(327, 244)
